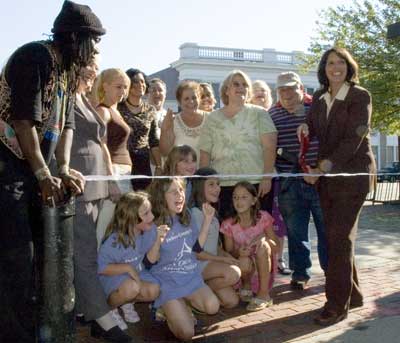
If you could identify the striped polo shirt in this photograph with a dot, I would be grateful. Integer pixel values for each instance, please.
(287, 123)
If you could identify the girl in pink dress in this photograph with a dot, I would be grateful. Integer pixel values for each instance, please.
(249, 236)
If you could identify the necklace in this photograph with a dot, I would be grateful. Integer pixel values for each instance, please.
(134, 106)
(135, 109)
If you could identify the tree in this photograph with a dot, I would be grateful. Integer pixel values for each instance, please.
(361, 28)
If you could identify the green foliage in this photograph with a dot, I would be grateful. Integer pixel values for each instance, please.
(361, 28)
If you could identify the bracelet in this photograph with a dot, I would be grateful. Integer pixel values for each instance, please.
(63, 169)
(42, 173)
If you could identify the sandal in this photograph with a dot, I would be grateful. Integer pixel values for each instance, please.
(245, 295)
(257, 304)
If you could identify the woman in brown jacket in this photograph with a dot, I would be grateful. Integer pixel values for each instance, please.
(340, 117)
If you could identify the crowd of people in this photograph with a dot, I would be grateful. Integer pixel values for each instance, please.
(193, 240)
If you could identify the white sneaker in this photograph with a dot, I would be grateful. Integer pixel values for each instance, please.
(118, 319)
(130, 315)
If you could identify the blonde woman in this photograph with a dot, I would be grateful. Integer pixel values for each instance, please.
(111, 88)
(261, 94)
(239, 138)
(207, 98)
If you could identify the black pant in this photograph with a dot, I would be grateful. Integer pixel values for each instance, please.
(140, 166)
(18, 194)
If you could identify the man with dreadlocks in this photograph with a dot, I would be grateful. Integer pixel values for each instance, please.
(37, 89)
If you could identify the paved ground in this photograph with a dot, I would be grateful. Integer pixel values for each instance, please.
(290, 319)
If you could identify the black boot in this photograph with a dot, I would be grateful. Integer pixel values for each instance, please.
(115, 334)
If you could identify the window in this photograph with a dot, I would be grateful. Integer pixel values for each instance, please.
(390, 154)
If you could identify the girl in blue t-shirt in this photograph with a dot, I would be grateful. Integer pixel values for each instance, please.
(122, 252)
(220, 270)
(178, 269)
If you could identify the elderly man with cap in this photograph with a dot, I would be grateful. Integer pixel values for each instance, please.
(297, 199)
(37, 89)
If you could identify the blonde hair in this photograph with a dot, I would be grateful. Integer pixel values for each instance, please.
(176, 155)
(228, 81)
(263, 85)
(157, 191)
(108, 76)
(126, 217)
(206, 90)
(193, 85)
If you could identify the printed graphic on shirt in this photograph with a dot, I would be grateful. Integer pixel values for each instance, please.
(183, 262)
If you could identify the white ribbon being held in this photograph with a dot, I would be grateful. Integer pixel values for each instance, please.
(226, 176)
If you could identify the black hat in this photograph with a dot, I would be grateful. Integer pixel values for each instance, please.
(77, 18)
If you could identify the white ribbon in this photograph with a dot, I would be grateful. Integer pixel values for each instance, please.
(225, 176)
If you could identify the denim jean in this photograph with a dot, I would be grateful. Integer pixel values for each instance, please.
(297, 201)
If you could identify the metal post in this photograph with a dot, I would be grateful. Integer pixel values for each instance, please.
(55, 269)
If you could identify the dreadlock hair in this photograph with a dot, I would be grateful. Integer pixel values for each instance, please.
(77, 50)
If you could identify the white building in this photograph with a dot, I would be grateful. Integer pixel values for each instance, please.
(212, 64)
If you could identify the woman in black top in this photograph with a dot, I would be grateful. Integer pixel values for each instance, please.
(143, 140)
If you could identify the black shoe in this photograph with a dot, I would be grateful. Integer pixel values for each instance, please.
(355, 304)
(115, 334)
(327, 318)
(298, 285)
(80, 319)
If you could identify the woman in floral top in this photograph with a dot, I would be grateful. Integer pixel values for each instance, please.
(143, 140)
(185, 127)
(239, 139)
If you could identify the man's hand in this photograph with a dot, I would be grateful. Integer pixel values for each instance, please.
(74, 182)
(264, 188)
(302, 130)
(312, 179)
(51, 190)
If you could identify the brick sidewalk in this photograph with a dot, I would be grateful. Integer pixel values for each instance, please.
(291, 317)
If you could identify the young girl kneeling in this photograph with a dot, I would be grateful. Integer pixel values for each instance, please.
(122, 252)
(219, 269)
(177, 269)
(249, 236)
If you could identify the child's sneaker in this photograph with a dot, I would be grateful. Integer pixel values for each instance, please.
(130, 315)
(118, 319)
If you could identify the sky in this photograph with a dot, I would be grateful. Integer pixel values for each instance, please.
(147, 34)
